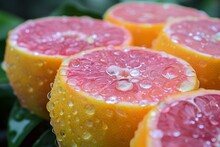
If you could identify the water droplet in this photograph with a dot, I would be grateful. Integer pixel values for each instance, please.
(50, 71)
(170, 72)
(208, 142)
(113, 70)
(190, 73)
(90, 40)
(104, 126)
(50, 106)
(4, 66)
(62, 72)
(70, 104)
(90, 110)
(174, 39)
(217, 36)
(30, 90)
(75, 111)
(176, 133)
(214, 139)
(213, 121)
(201, 126)
(121, 113)
(202, 63)
(134, 73)
(49, 95)
(156, 133)
(41, 83)
(186, 86)
(51, 85)
(62, 133)
(124, 85)
(40, 64)
(61, 112)
(195, 135)
(89, 123)
(111, 100)
(86, 135)
(109, 112)
(197, 38)
(199, 115)
(145, 85)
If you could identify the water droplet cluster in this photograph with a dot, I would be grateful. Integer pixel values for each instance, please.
(66, 35)
(200, 35)
(194, 120)
(128, 75)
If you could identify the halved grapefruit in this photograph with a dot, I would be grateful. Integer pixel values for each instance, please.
(146, 19)
(36, 48)
(99, 96)
(196, 40)
(185, 120)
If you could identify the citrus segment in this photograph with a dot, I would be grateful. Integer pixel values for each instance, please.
(189, 119)
(99, 96)
(145, 20)
(36, 48)
(196, 41)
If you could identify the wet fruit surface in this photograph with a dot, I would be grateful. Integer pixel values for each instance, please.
(188, 120)
(145, 20)
(36, 48)
(99, 96)
(152, 13)
(197, 41)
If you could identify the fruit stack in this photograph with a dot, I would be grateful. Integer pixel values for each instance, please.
(130, 79)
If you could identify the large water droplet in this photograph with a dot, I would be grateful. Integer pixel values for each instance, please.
(190, 73)
(170, 72)
(113, 70)
(124, 85)
(86, 135)
(157, 134)
(186, 86)
(90, 110)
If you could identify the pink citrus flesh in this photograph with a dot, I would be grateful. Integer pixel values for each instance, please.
(152, 13)
(36, 48)
(190, 119)
(112, 88)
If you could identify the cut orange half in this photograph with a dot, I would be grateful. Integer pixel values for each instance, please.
(99, 96)
(145, 20)
(188, 119)
(35, 50)
(196, 40)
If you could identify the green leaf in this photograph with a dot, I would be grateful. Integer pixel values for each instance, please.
(47, 139)
(75, 9)
(7, 22)
(21, 122)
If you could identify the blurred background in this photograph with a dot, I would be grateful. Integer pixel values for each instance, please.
(33, 131)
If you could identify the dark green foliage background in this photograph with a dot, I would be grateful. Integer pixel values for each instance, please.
(18, 127)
